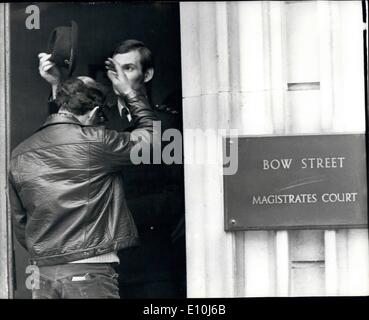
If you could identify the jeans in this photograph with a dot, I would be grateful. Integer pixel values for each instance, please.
(77, 281)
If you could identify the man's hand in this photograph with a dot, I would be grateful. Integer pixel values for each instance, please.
(48, 70)
(117, 77)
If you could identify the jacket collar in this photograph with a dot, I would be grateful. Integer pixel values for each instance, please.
(60, 118)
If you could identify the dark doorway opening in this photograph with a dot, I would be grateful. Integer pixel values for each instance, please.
(155, 193)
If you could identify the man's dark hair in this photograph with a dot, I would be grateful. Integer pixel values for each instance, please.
(147, 59)
(74, 96)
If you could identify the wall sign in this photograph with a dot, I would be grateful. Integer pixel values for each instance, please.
(297, 182)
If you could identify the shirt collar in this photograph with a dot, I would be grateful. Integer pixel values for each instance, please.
(121, 106)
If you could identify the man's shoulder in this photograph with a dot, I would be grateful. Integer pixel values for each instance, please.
(59, 134)
(24, 146)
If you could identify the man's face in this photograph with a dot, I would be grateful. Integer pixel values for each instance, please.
(131, 65)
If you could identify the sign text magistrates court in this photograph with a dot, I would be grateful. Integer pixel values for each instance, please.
(282, 182)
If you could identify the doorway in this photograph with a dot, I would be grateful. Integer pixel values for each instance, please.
(158, 267)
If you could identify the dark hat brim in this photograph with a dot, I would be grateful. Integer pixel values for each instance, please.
(63, 45)
(74, 48)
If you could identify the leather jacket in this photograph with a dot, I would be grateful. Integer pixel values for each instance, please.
(66, 190)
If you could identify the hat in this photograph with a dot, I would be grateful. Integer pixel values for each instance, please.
(63, 46)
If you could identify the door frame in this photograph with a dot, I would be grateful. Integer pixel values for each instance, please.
(6, 245)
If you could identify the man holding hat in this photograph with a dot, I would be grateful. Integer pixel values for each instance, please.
(66, 193)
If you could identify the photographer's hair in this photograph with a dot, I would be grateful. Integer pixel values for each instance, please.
(147, 59)
(74, 96)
